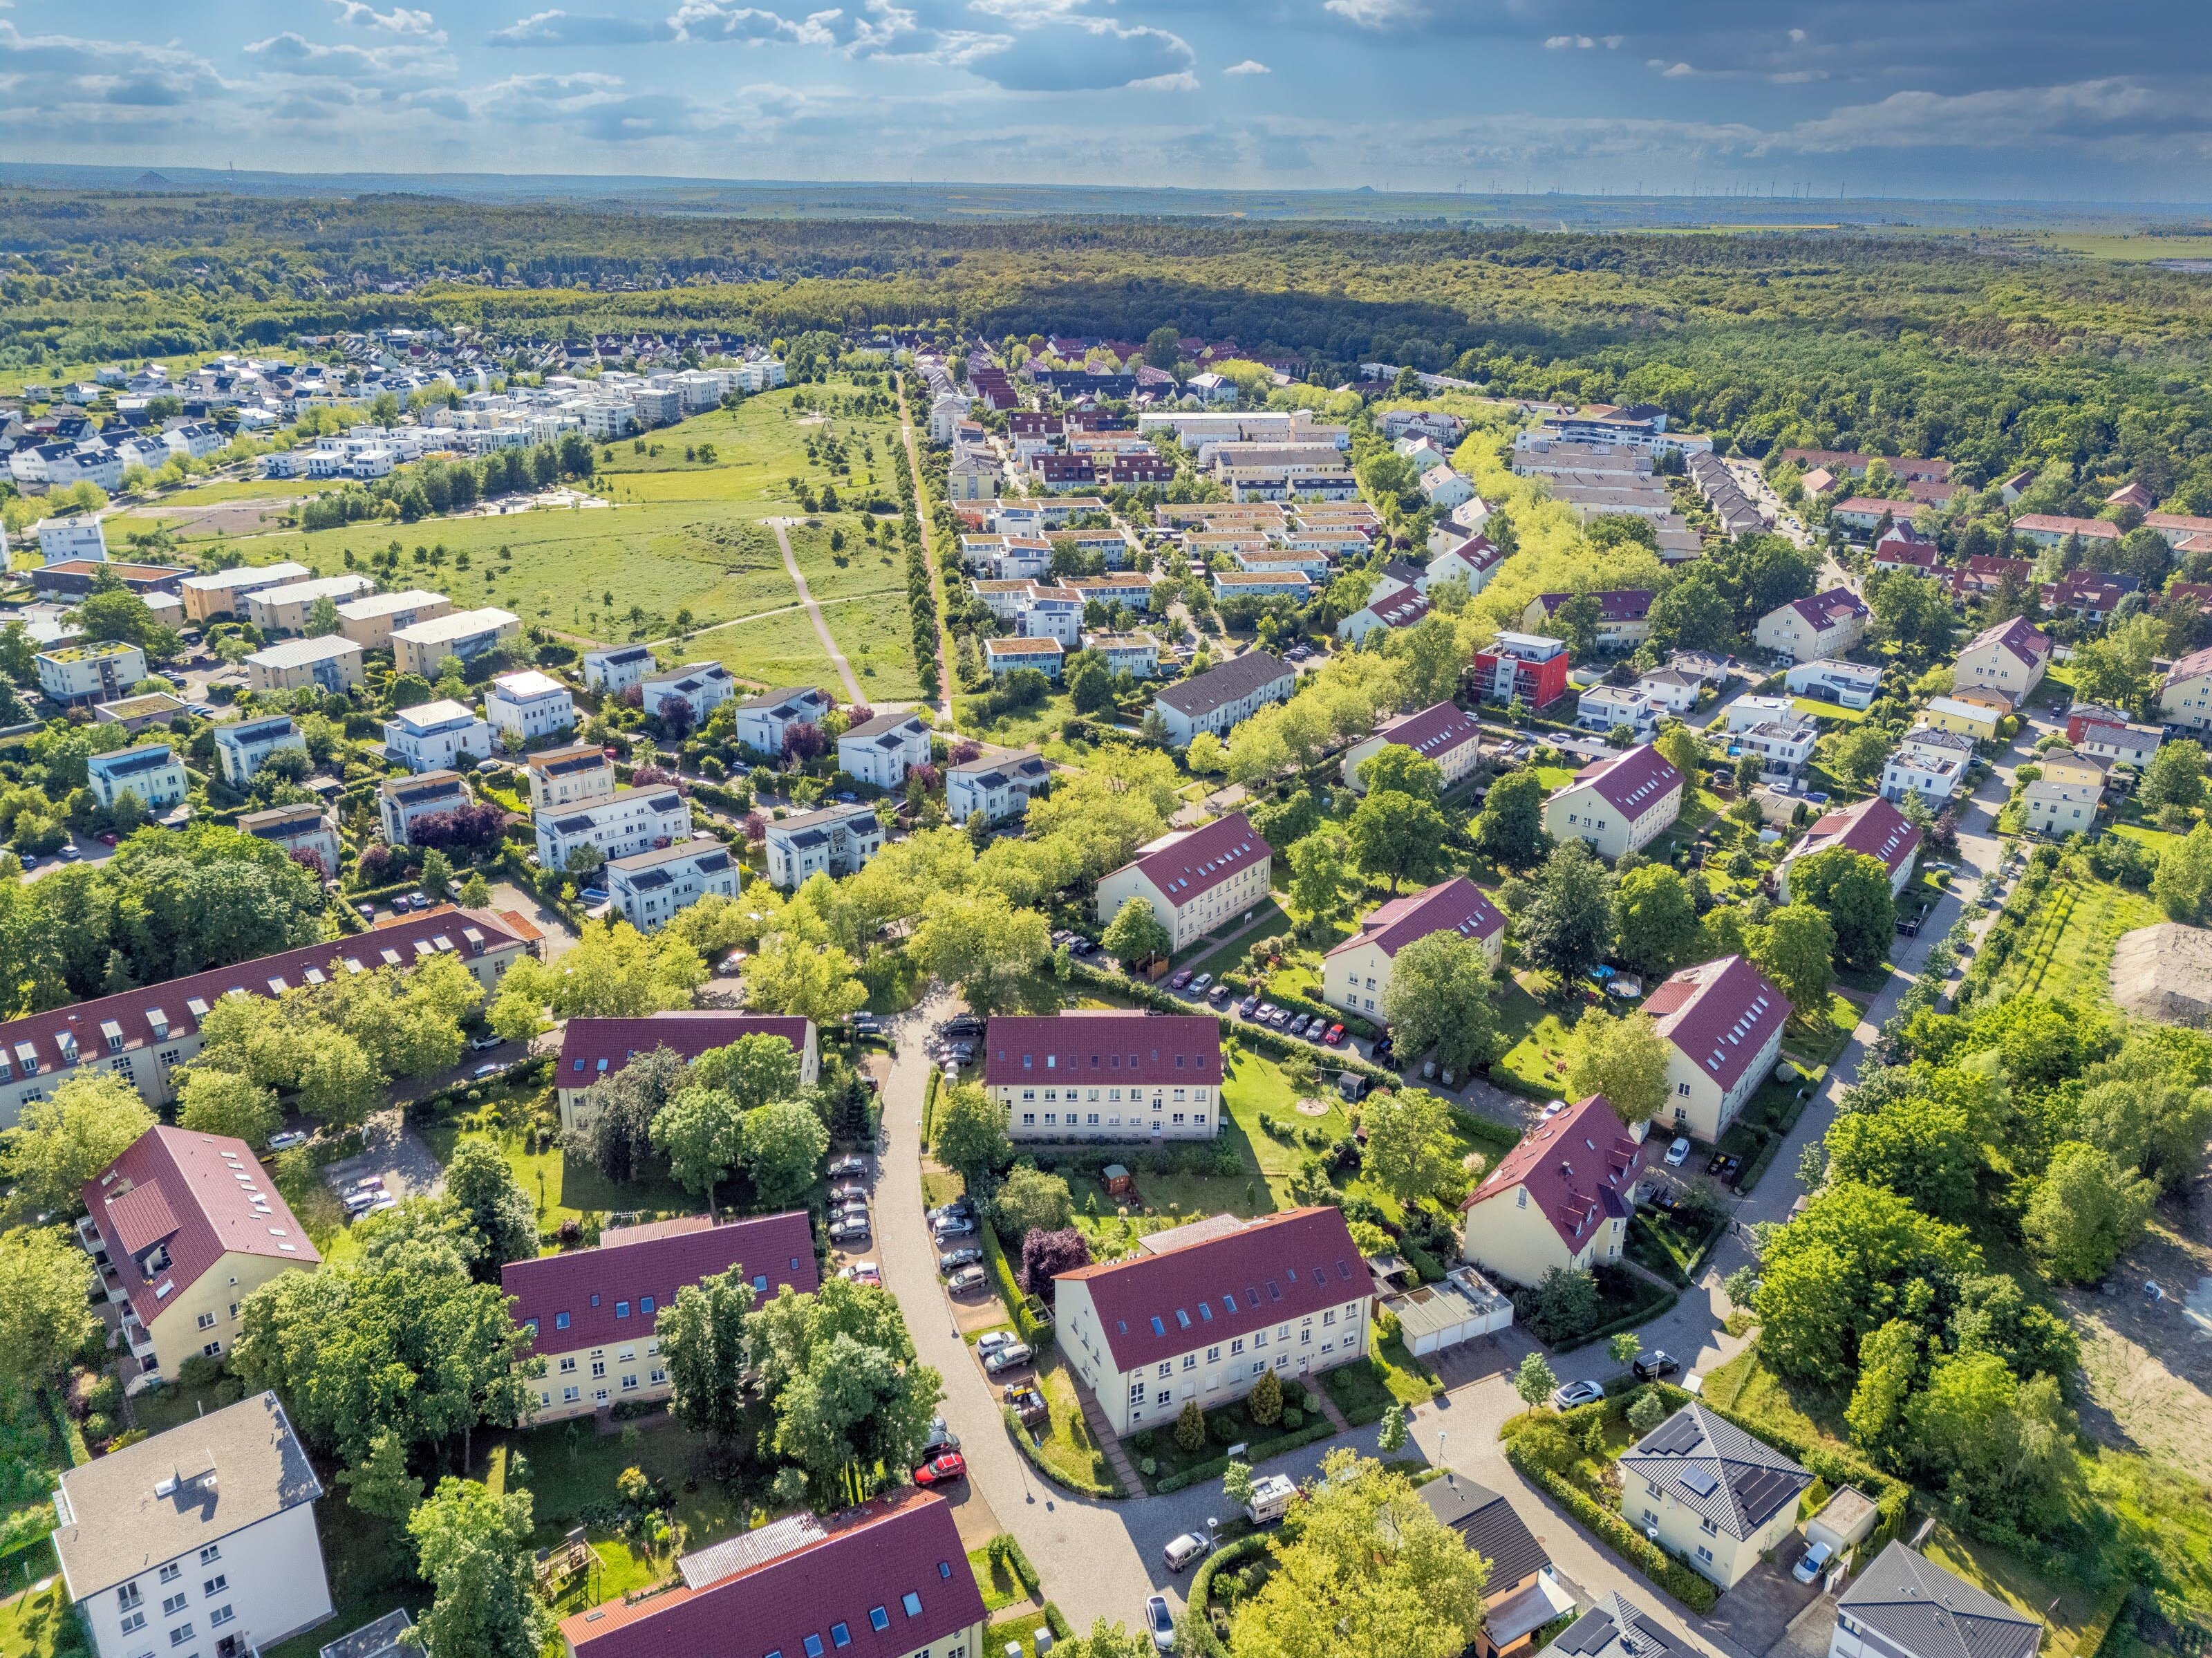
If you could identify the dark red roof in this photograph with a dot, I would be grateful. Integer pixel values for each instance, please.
(2018, 635)
(1196, 862)
(602, 1292)
(1614, 603)
(594, 1048)
(1826, 610)
(1633, 780)
(1439, 729)
(1579, 1168)
(205, 1195)
(1456, 906)
(1720, 1014)
(1110, 1045)
(1223, 1283)
(835, 1574)
(1874, 826)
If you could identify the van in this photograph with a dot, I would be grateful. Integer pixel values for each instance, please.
(1270, 1499)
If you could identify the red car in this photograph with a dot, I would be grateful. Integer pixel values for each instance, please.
(1181, 979)
(939, 1471)
(1335, 1035)
(107, 839)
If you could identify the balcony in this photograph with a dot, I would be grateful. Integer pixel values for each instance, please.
(140, 1338)
(88, 1237)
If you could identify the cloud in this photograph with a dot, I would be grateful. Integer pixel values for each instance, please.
(2119, 115)
(1377, 14)
(1249, 66)
(873, 28)
(400, 19)
(295, 54)
(561, 28)
(47, 75)
(1057, 47)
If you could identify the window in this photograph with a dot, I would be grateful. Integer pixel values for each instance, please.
(910, 1603)
(211, 1349)
(128, 1596)
(840, 1635)
(1710, 1528)
(1190, 1361)
(570, 1395)
(598, 1367)
(171, 1572)
(813, 1645)
(134, 1622)
(1704, 1554)
(179, 1636)
(559, 1320)
(567, 1365)
(622, 1309)
(216, 1584)
(645, 1305)
(207, 1320)
(220, 1616)
(878, 1620)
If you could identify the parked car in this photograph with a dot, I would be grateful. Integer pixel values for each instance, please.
(70, 852)
(844, 1166)
(1248, 1007)
(485, 1042)
(288, 1139)
(962, 1206)
(484, 1073)
(1160, 1622)
(1576, 1392)
(1649, 1367)
(1181, 979)
(1678, 1153)
(109, 838)
(1217, 995)
(992, 1340)
(866, 1273)
(852, 1189)
(1280, 1018)
(1266, 1013)
(1012, 1354)
(953, 1260)
(1298, 1025)
(953, 1226)
(1811, 1564)
(941, 1470)
(1334, 1036)
(941, 1438)
(844, 1231)
(967, 1279)
(1181, 1551)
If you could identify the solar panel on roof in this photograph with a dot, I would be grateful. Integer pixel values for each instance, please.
(1673, 1436)
(1700, 1481)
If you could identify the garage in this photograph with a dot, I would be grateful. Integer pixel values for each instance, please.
(1438, 1315)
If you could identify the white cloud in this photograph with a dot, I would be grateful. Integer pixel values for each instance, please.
(400, 19)
(1569, 43)
(1796, 37)
(876, 27)
(1377, 14)
(1249, 66)
(2117, 115)
(1057, 47)
(295, 54)
(561, 28)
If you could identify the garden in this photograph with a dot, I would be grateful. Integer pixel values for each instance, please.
(1194, 1447)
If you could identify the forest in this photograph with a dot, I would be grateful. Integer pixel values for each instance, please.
(1901, 343)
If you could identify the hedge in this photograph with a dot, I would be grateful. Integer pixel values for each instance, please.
(1613, 1530)
(1259, 1452)
(1018, 1431)
(929, 1101)
(1201, 1624)
(1036, 1331)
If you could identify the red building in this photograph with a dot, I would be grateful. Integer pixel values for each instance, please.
(1528, 666)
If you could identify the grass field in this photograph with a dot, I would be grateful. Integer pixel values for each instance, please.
(2066, 950)
(776, 649)
(1531, 1028)
(1066, 1444)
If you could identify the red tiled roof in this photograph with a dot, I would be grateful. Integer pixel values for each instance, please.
(205, 1195)
(1456, 906)
(2191, 593)
(837, 1572)
(2019, 636)
(1873, 506)
(1825, 610)
(2195, 662)
(1614, 603)
(1102, 1046)
(1152, 1306)
(1719, 1013)
(407, 938)
(594, 1048)
(1632, 780)
(2176, 520)
(2089, 529)
(1873, 826)
(603, 1291)
(1192, 864)
(1437, 729)
(1579, 1168)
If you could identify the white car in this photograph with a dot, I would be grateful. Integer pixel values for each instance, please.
(288, 1139)
(1678, 1154)
(1812, 1563)
(992, 1340)
(1181, 1551)
(1161, 1622)
(1575, 1393)
(1007, 1357)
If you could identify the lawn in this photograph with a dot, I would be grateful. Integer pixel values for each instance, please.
(29, 1622)
(2075, 1623)
(1001, 1588)
(1813, 708)
(1536, 1036)
(1207, 957)
(2066, 948)
(776, 649)
(563, 1185)
(1387, 1376)
(1814, 1050)
(1025, 727)
(1065, 1443)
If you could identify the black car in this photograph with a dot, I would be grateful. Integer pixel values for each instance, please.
(1649, 1367)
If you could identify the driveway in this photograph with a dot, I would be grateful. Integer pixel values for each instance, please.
(394, 1153)
(1757, 1611)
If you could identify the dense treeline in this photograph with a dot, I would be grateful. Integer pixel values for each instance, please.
(440, 486)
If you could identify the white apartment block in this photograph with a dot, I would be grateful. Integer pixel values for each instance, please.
(529, 705)
(616, 669)
(401, 800)
(153, 773)
(628, 820)
(761, 721)
(836, 841)
(701, 686)
(242, 748)
(999, 788)
(96, 673)
(569, 776)
(648, 889)
(883, 750)
(436, 735)
(302, 832)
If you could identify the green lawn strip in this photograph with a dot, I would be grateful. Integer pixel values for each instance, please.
(1000, 1587)
(1021, 1630)
(778, 649)
(561, 1184)
(30, 1623)
(1026, 728)
(1063, 1445)
(1388, 1375)
(2066, 947)
(1530, 1029)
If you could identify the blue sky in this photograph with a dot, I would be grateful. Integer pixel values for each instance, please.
(1925, 98)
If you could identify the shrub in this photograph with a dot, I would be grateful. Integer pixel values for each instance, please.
(1224, 1430)
(1190, 1426)
(1647, 1412)
(1146, 1440)
(1147, 1468)
(1266, 1400)
(1293, 1418)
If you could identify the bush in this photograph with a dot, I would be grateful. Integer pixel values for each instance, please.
(1265, 1401)
(1147, 1468)
(1224, 1430)
(1190, 1426)
(1293, 1418)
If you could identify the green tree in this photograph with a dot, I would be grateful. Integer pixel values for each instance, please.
(753, 1070)
(481, 1183)
(702, 1343)
(2182, 884)
(1032, 1201)
(44, 1282)
(1266, 1400)
(2085, 1213)
(1395, 768)
(1858, 754)
(382, 1486)
(211, 1101)
(1623, 1346)
(1567, 926)
(610, 972)
(474, 1549)
(793, 975)
(1439, 995)
(701, 1131)
(968, 1133)
(845, 1391)
(475, 892)
(783, 1143)
(1429, 657)
(1920, 1147)
(1852, 890)
(1321, 878)
(1912, 613)
(1678, 746)
(1089, 682)
(1889, 1364)
(1237, 1484)
(1623, 1057)
(1410, 1151)
(1390, 1434)
(1398, 836)
(2005, 1447)
(60, 1143)
(1796, 948)
(1510, 828)
(1190, 1426)
(617, 1111)
(980, 942)
(339, 1085)
(322, 618)
(1135, 935)
(1693, 612)
(1536, 1380)
(2175, 776)
(1656, 918)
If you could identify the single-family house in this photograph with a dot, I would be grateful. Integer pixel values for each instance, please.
(1847, 684)
(529, 705)
(1614, 1626)
(1522, 1592)
(1716, 1497)
(1827, 624)
(440, 736)
(1604, 707)
(1969, 716)
(1671, 690)
(1929, 762)
(1903, 1604)
(2056, 809)
(1562, 1197)
(2010, 656)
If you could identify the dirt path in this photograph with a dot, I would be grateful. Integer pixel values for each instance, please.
(814, 612)
(936, 572)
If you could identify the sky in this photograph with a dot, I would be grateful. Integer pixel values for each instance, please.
(1959, 98)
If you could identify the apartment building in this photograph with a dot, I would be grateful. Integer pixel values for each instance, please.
(836, 841)
(401, 800)
(286, 609)
(1618, 805)
(613, 671)
(1529, 667)
(437, 735)
(332, 663)
(1355, 975)
(2010, 656)
(96, 673)
(242, 749)
(571, 775)
(528, 706)
(1220, 698)
(1005, 656)
(306, 833)
(881, 751)
(1929, 762)
(1193, 880)
(999, 788)
(1562, 1198)
(627, 821)
(1828, 624)
(370, 621)
(594, 1049)
(1873, 827)
(466, 634)
(648, 889)
(1624, 616)
(152, 773)
(1106, 1075)
(1444, 732)
(701, 687)
(211, 597)
(762, 721)
(1723, 1022)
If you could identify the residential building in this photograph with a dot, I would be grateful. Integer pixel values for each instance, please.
(1193, 880)
(1617, 805)
(2184, 697)
(1355, 975)
(370, 620)
(700, 687)
(972, 477)
(306, 834)
(95, 672)
(179, 1239)
(2044, 529)
(1202, 1311)
(1873, 828)
(888, 1579)
(287, 609)
(137, 714)
(1444, 732)
(1109, 1075)
(208, 1528)
(1929, 762)
(616, 669)
(1716, 1497)
(2057, 809)
(1702, 665)
(1614, 1627)
(1563, 1198)
(1261, 584)
(1386, 616)
(571, 775)
(71, 536)
(1005, 656)
(1624, 616)
(837, 841)
(529, 705)
(1604, 707)
(1903, 1604)
(589, 1314)
(1985, 573)
(1473, 561)
(2177, 528)
(1724, 1021)
(1522, 1592)
(1137, 655)
(1222, 696)
(762, 721)
(331, 663)
(2008, 656)
(152, 771)
(244, 747)
(1671, 690)
(466, 634)
(2117, 740)
(436, 735)
(594, 1049)
(881, 751)
(648, 889)
(1528, 667)
(1968, 717)
(1772, 728)
(1867, 512)
(1827, 624)
(1000, 787)
(400, 801)
(1902, 546)
(146, 1033)
(1848, 685)
(627, 821)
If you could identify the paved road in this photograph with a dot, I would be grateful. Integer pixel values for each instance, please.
(813, 611)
